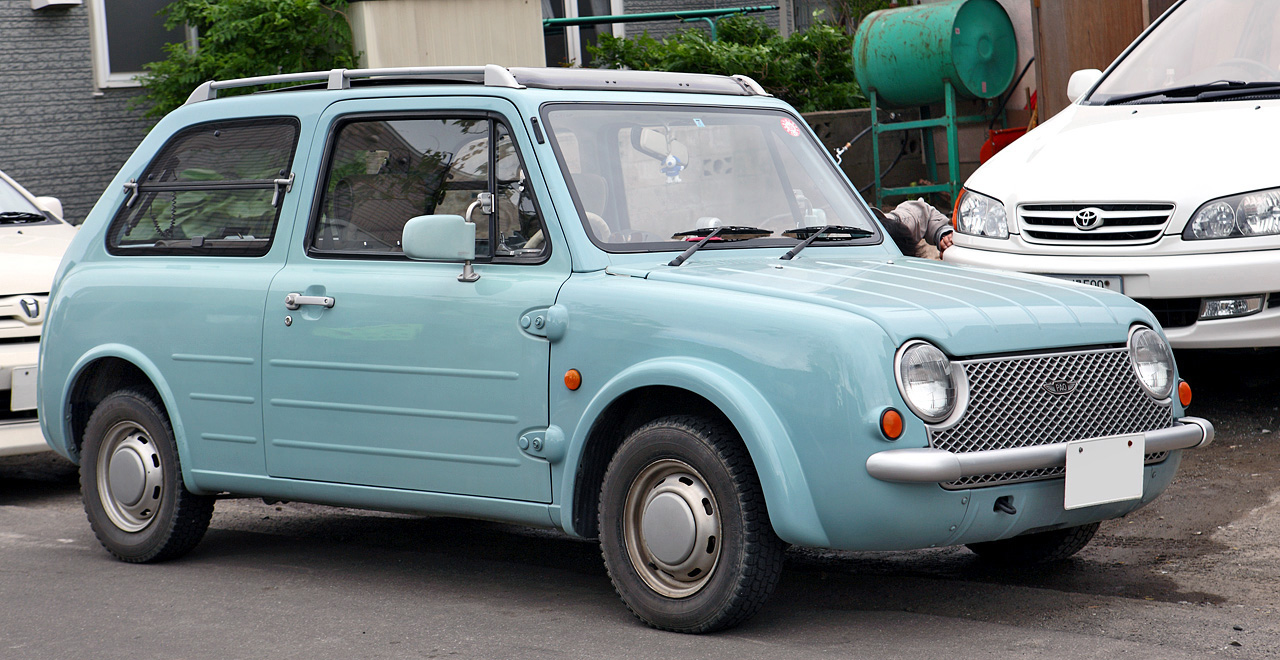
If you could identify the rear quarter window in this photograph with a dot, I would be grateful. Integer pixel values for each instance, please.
(214, 189)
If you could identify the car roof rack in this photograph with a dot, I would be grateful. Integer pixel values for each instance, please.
(492, 75)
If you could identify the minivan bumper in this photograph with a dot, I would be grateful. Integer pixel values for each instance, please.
(1219, 274)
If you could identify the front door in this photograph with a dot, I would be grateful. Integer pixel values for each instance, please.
(413, 379)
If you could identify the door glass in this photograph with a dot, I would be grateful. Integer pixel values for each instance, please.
(384, 172)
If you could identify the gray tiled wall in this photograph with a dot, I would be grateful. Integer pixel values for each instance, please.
(58, 135)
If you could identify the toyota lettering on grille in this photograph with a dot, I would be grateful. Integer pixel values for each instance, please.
(1088, 219)
(1059, 387)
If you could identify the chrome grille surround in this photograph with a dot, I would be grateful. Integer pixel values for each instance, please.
(1010, 405)
(1121, 224)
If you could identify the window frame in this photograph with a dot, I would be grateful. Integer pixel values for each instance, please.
(99, 46)
(234, 184)
(326, 162)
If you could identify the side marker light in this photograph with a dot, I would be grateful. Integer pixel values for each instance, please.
(1184, 393)
(572, 379)
(891, 424)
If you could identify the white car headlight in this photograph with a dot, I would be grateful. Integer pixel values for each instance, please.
(1152, 361)
(1250, 214)
(926, 380)
(979, 215)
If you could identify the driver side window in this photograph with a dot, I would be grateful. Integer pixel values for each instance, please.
(384, 172)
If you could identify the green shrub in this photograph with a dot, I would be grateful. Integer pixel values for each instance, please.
(812, 70)
(242, 38)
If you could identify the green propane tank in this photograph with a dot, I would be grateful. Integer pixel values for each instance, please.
(907, 54)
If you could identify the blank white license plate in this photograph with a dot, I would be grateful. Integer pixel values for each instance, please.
(1103, 470)
(1108, 282)
(23, 394)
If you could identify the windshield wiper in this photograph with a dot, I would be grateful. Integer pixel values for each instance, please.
(1205, 91)
(708, 233)
(825, 233)
(20, 217)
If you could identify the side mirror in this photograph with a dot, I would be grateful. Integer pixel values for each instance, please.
(441, 238)
(50, 204)
(1081, 82)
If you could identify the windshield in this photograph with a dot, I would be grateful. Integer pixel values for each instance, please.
(12, 201)
(650, 177)
(1201, 42)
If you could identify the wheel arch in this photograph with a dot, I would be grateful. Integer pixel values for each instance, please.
(100, 372)
(668, 386)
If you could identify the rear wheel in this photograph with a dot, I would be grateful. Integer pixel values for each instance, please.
(683, 527)
(131, 482)
(1040, 548)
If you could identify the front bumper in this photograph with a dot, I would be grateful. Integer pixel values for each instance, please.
(925, 465)
(20, 435)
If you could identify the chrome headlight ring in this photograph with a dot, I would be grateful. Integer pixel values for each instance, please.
(932, 387)
(1152, 361)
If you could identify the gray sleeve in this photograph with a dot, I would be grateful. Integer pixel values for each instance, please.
(926, 221)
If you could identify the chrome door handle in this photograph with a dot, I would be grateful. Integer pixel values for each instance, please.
(297, 300)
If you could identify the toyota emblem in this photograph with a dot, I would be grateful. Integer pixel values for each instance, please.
(1088, 219)
(30, 307)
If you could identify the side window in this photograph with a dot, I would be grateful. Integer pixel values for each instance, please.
(214, 189)
(384, 172)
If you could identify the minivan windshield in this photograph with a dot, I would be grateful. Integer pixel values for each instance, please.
(649, 177)
(1213, 46)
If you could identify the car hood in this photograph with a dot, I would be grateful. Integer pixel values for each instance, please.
(29, 255)
(1184, 153)
(966, 311)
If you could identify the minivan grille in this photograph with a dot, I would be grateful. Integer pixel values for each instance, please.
(1010, 404)
(1117, 224)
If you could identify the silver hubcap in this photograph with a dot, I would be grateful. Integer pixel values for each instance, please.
(672, 528)
(130, 475)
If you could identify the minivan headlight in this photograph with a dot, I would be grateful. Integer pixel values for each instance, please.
(979, 215)
(926, 380)
(1152, 361)
(1249, 214)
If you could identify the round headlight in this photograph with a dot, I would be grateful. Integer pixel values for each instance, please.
(1152, 361)
(980, 215)
(926, 381)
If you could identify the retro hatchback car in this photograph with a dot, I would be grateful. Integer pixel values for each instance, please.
(639, 307)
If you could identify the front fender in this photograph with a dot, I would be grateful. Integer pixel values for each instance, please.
(63, 442)
(786, 493)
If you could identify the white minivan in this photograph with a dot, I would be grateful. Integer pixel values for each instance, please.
(1161, 180)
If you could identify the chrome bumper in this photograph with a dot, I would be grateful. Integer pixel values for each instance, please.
(940, 466)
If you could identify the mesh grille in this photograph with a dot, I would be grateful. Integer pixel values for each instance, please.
(1010, 406)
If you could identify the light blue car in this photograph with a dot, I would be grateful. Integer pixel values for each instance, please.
(640, 307)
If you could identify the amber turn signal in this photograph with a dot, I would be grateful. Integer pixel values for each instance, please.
(1184, 393)
(891, 424)
(572, 379)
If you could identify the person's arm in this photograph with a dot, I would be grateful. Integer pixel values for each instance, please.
(934, 227)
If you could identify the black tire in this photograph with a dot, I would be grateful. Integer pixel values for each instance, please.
(1040, 548)
(131, 482)
(691, 487)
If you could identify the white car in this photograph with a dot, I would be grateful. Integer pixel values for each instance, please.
(33, 237)
(1159, 181)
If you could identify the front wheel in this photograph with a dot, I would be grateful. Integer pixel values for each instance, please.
(131, 482)
(1039, 548)
(683, 527)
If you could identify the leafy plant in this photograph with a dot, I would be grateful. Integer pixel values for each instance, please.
(849, 13)
(243, 38)
(812, 70)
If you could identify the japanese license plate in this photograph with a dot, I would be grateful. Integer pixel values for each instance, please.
(23, 394)
(1108, 282)
(1103, 470)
